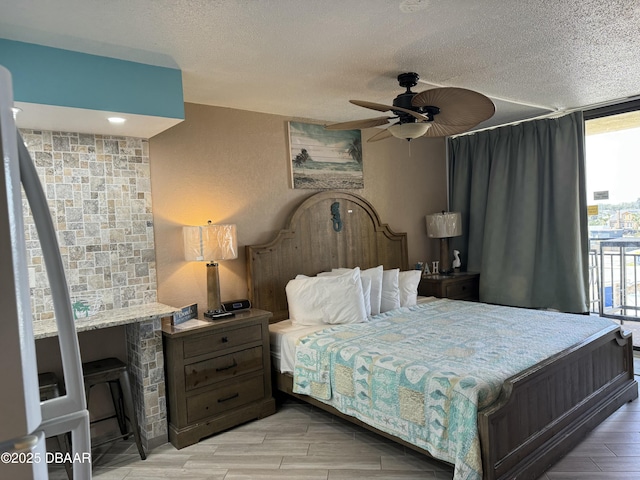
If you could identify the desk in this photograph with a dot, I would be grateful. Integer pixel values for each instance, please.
(144, 357)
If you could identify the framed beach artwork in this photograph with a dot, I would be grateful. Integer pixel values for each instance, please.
(325, 159)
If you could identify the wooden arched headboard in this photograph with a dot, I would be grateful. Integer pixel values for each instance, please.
(328, 230)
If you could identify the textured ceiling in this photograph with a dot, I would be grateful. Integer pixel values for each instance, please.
(308, 58)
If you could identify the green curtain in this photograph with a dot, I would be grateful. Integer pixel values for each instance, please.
(521, 192)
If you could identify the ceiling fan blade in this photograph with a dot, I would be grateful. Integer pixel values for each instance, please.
(458, 106)
(439, 130)
(385, 108)
(435, 130)
(381, 135)
(356, 124)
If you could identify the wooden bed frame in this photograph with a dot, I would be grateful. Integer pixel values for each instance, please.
(543, 412)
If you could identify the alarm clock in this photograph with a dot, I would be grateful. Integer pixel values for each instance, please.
(235, 305)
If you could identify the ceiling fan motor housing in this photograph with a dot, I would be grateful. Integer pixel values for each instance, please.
(408, 80)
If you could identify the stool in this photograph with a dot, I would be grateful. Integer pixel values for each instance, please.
(115, 373)
(50, 388)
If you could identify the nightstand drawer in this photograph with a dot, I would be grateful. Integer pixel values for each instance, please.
(460, 291)
(221, 368)
(458, 286)
(227, 339)
(225, 398)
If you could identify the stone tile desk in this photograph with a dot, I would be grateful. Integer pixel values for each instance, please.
(143, 334)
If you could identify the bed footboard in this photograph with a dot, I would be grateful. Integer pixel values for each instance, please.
(547, 410)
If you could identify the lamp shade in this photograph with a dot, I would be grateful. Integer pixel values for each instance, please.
(409, 130)
(210, 243)
(444, 225)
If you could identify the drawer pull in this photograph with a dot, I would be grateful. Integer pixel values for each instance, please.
(226, 399)
(225, 339)
(222, 369)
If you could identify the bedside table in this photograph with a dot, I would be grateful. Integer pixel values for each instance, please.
(218, 374)
(457, 286)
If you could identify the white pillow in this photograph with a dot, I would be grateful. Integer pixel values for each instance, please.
(408, 284)
(390, 298)
(375, 274)
(366, 284)
(326, 299)
(366, 293)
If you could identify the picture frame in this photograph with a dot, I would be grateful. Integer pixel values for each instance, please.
(324, 159)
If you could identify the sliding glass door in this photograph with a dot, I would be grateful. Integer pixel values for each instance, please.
(612, 145)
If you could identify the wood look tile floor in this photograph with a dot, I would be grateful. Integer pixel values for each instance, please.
(305, 443)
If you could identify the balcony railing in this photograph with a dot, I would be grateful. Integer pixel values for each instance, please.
(614, 281)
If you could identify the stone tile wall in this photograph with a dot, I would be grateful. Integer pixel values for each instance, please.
(146, 366)
(99, 193)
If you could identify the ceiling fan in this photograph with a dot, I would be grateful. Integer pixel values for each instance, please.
(432, 113)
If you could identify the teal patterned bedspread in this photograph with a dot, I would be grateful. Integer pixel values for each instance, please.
(422, 373)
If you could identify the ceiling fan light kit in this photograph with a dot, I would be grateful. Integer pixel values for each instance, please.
(437, 112)
(409, 130)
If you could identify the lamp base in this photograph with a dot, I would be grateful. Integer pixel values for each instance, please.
(445, 262)
(214, 310)
(217, 315)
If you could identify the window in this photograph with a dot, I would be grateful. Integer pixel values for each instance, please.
(612, 147)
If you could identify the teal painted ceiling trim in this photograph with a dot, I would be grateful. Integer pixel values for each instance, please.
(52, 76)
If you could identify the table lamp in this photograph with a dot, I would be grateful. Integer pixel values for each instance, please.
(211, 243)
(444, 226)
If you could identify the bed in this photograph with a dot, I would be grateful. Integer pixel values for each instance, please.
(538, 414)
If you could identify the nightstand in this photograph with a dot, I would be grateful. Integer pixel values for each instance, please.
(457, 286)
(218, 374)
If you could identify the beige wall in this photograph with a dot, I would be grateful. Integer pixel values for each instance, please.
(232, 166)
